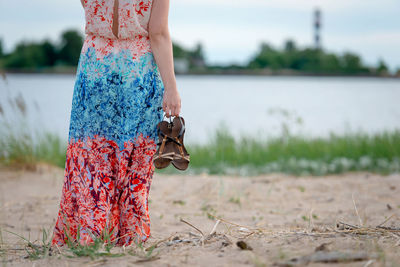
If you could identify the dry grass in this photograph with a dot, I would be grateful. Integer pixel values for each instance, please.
(232, 233)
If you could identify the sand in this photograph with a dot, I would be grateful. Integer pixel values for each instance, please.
(283, 219)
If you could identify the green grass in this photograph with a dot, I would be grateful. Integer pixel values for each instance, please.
(20, 145)
(101, 246)
(296, 154)
(224, 154)
(37, 251)
(24, 150)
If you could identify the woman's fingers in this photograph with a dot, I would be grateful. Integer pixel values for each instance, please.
(177, 110)
(174, 112)
(171, 103)
(167, 112)
(166, 108)
(171, 110)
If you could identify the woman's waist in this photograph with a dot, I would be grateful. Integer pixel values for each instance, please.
(112, 38)
(125, 31)
(137, 46)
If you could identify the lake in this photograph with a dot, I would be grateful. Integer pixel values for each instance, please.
(250, 105)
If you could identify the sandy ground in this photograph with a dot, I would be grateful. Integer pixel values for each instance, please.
(272, 214)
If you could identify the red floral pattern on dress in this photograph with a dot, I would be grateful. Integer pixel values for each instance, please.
(99, 16)
(137, 47)
(132, 33)
(133, 17)
(106, 190)
(141, 6)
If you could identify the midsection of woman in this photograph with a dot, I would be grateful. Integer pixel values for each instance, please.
(122, 84)
(117, 103)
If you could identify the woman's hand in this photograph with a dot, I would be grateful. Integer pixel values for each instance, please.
(171, 102)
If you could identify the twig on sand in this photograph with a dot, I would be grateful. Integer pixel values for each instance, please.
(352, 227)
(159, 242)
(214, 228)
(388, 219)
(368, 263)
(246, 236)
(197, 229)
(248, 230)
(191, 225)
(355, 207)
(203, 237)
(310, 221)
(235, 224)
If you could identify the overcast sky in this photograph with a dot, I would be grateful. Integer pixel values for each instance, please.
(231, 30)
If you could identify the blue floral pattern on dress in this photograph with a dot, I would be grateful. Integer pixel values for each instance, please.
(117, 97)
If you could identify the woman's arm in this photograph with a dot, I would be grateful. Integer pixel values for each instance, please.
(161, 46)
(83, 3)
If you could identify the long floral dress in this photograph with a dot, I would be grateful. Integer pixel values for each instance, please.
(117, 103)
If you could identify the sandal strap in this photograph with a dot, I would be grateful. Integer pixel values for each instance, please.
(180, 147)
(163, 156)
(162, 145)
(182, 128)
(169, 139)
(178, 156)
(165, 140)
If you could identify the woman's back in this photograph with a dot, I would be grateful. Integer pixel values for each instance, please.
(117, 19)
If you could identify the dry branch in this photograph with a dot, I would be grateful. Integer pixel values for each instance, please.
(194, 227)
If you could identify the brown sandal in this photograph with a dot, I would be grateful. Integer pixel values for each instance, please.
(181, 157)
(165, 151)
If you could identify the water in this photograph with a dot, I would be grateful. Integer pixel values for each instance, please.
(245, 104)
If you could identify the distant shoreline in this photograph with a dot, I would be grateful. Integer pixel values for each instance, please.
(265, 73)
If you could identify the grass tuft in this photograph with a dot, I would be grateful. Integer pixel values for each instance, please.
(102, 246)
(37, 251)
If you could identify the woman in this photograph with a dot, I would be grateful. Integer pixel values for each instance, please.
(125, 80)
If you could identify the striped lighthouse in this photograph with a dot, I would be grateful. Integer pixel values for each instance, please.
(317, 28)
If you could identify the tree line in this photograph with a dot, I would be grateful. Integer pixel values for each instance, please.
(312, 60)
(35, 55)
(294, 60)
(47, 54)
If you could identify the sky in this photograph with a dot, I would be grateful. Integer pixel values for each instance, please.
(231, 30)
